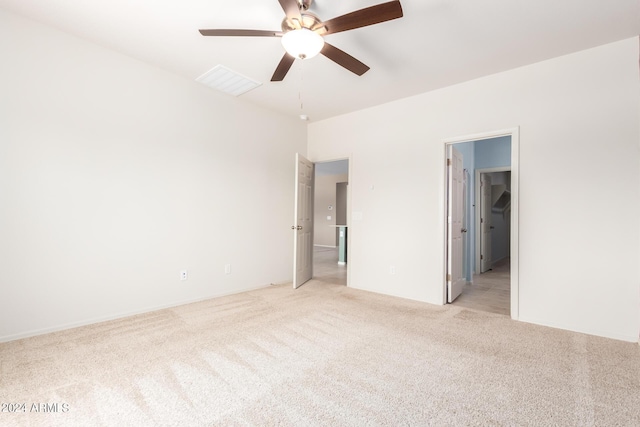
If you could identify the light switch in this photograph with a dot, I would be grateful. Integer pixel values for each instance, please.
(328, 217)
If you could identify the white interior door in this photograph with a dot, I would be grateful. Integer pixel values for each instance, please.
(303, 227)
(485, 222)
(455, 217)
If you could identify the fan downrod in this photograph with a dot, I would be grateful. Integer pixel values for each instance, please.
(304, 4)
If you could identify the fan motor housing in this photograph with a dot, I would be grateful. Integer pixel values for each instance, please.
(309, 20)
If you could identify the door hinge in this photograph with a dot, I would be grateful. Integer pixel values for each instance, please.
(448, 162)
(481, 220)
(481, 256)
(448, 277)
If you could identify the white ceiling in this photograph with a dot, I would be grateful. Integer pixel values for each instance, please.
(437, 43)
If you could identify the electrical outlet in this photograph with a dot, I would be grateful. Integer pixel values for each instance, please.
(183, 274)
(227, 269)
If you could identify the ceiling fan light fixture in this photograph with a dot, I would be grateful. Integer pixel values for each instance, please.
(302, 43)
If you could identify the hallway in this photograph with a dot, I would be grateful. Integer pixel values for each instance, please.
(326, 268)
(491, 291)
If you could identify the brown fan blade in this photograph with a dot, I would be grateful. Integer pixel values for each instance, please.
(291, 9)
(283, 68)
(241, 33)
(344, 59)
(364, 17)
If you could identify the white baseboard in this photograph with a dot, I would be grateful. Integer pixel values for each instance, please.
(120, 315)
(574, 328)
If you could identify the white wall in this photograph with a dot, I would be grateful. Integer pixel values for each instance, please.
(579, 131)
(115, 175)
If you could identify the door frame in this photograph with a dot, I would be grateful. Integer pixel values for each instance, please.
(514, 133)
(350, 233)
(478, 232)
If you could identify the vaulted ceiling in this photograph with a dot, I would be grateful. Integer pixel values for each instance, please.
(436, 43)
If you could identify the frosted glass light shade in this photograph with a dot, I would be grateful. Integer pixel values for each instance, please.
(303, 43)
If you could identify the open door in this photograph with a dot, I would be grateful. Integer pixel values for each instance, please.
(303, 227)
(455, 216)
(485, 222)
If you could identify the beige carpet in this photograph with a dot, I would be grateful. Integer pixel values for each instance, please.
(321, 355)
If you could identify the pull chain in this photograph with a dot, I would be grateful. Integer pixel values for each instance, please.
(303, 116)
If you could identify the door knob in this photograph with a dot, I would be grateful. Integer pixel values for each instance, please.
(464, 230)
(293, 227)
(299, 227)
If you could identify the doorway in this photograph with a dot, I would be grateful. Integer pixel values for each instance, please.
(487, 257)
(330, 236)
(492, 218)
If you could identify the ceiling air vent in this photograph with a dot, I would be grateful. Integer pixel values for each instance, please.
(227, 81)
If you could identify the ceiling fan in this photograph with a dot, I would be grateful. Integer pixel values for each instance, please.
(302, 33)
